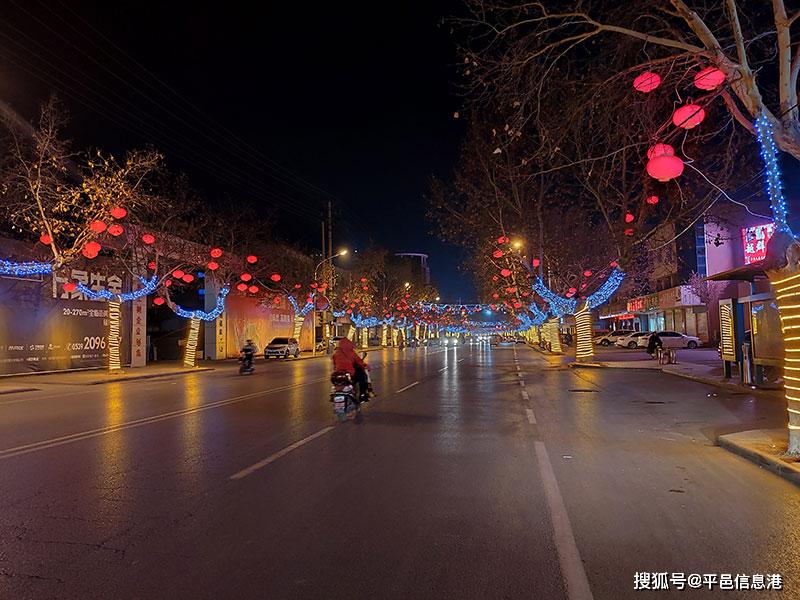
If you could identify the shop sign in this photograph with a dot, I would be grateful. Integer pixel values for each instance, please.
(754, 241)
(651, 302)
(636, 305)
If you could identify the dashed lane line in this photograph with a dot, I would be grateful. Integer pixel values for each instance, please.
(525, 396)
(531, 416)
(407, 387)
(280, 453)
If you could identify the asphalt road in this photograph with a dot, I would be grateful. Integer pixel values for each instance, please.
(478, 473)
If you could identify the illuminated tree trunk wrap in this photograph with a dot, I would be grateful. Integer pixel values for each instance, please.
(114, 336)
(298, 326)
(584, 351)
(553, 336)
(384, 336)
(365, 337)
(786, 284)
(190, 352)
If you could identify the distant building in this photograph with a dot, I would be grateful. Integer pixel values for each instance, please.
(419, 264)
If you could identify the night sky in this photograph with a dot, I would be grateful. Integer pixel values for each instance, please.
(281, 106)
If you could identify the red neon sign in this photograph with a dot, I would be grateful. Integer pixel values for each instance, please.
(755, 240)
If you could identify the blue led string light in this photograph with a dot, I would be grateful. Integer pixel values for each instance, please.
(148, 287)
(539, 315)
(769, 153)
(202, 315)
(605, 291)
(559, 305)
(23, 269)
(309, 306)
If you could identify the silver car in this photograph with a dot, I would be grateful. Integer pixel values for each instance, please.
(282, 347)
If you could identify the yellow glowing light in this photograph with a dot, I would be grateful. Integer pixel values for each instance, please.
(114, 341)
(190, 356)
(584, 349)
(726, 330)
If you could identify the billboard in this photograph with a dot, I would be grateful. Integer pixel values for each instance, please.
(45, 329)
(754, 242)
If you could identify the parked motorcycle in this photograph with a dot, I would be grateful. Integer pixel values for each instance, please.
(246, 359)
(343, 397)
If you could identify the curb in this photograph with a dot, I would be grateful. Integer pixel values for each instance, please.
(776, 394)
(766, 461)
(18, 390)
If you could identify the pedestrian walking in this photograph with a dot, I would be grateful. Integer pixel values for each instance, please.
(653, 343)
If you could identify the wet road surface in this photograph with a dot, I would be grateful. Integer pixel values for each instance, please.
(478, 473)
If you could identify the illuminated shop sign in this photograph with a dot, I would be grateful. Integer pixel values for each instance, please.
(754, 241)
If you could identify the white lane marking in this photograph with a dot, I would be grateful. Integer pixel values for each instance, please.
(522, 382)
(531, 416)
(569, 557)
(84, 435)
(525, 395)
(443, 369)
(407, 387)
(460, 359)
(280, 453)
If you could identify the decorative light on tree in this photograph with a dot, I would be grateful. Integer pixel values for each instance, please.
(688, 116)
(709, 78)
(663, 164)
(647, 82)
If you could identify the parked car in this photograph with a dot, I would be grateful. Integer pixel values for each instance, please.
(282, 347)
(673, 339)
(635, 339)
(611, 337)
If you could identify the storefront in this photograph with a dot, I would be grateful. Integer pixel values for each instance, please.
(675, 309)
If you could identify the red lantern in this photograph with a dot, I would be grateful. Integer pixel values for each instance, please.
(629, 218)
(178, 274)
(241, 287)
(646, 82)
(275, 277)
(688, 116)
(526, 294)
(216, 252)
(168, 282)
(536, 262)
(502, 240)
(709, 78)
(665, 167)
(253, 289)
(245, 277)
(497, 254)
(151, 265)
(652, 200)
(45, 239)
(252, 259)
(495, 296)
(97, 226)
(349, 312)
(517, 304)
(148, 238)
(365, 288)
(613, 263)
(70, 286)
(583, 286)
(587, 273)
(276, 300)
(158, 301)
(116, 230)
(363, 280)
(118, 212)
(628, 232)
(660, 150)
(495, 278)
(91, 249)
(505, 272)
(315, 286)
(188, 278)
(297, 286)
(213, 266)
(572, 290)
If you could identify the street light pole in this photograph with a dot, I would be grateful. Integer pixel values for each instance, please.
(330, 287)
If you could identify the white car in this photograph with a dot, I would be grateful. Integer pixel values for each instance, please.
(612, 336)
(635, 339)
(673, 339)
(282, 347)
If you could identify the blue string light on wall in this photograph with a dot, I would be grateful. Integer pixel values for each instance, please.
(769, 152)
(202, 315)
(24, 269)
(148, 287)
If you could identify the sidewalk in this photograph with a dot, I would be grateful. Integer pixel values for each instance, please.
(27, 381)
(766, 448)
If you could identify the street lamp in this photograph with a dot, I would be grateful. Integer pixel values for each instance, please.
(407, 285)
(437, 298)
(330, 287)
(516, 244)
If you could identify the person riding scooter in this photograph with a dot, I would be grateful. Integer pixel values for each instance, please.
(247, 354)
(346, 360)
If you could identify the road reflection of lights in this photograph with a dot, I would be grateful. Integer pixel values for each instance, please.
(191, 435)
(114, 454)
(297, 408)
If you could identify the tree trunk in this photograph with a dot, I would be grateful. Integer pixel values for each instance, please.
(554, 337)
(190, 352)
(786, 283)
(584, 348)
(114, 337)
(298, 326)
(384, 336)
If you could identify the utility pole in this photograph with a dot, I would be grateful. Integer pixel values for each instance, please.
(330, 279)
